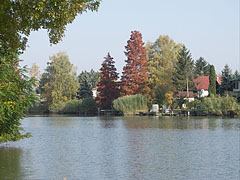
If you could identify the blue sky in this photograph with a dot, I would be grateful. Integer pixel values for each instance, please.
(208, 28)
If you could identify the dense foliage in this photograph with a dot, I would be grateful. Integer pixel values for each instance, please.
(88, 82)
(59, 83)
(107, 87)
(182, 76)
(212, 81)
(16, 96)
(19, 17)
(83, 107)
(135, 73)
(201, 68)
(219, 106)
(130, 105)
(226, 80)
(162, 58)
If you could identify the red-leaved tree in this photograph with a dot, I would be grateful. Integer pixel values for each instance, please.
(108, 87)
(135, 72)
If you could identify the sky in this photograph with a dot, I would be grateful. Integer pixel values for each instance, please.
(208, 28)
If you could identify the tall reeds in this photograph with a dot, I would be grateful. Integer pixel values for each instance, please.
(130, 105)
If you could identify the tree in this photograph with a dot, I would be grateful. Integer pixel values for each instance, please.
(107, 87)
(202, 67)
(85, 90)
(236, 74)
(135, 73)
(212, 81)
(88, 80)
(182, 76)
(19, 17)
(16, 96)
(35, 73)
(59, 83)
(162, 58)
(226, 80)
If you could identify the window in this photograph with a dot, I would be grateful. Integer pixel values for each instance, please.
(235, 85)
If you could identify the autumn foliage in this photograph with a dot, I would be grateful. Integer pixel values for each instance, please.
(135, 72)
(108, 87)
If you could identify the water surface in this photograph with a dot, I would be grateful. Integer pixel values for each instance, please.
(124, 148)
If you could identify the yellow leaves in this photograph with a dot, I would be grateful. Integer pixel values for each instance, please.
(10, 103)
(168, 97)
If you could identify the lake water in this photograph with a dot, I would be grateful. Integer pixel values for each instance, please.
(116, 148)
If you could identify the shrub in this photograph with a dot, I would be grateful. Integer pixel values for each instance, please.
(131, 104)
(75, 106)
(219, 106)
(16, 96)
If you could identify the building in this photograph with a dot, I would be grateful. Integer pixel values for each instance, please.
(236, 86)
(202, 84)
(185, 95)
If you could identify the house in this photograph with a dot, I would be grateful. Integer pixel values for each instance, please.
(236, 86)
(185, 95)
(202, 84)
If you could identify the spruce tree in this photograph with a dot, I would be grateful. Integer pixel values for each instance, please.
(202, 67)
(182, 77)
(226, 80)
(212, 81)
(85, 90)
(108, 87)
(135, 72)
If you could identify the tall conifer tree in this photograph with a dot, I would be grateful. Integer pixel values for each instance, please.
(182, 77)
(108, 87)
(135, 72)
(212, 81)
(226, 80)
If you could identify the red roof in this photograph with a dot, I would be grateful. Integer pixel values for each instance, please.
(183, 94)
(219, 79)
(202, 82)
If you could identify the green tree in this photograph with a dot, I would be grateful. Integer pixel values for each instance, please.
(236, 74)
(212, 81)
(35, 73)
(19, 17)
(88, 82)
(201, 67)
(162, 57)
(85, 90)
(226, 80)
(182, 76)
(59, 83)
(16, 96)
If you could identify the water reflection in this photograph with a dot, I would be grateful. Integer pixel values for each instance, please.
(124, 148)
(180, 123)
(10, 163)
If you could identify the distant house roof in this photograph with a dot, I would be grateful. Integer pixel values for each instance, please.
(236, 79)
(183, 94)
(202, 82)
(219, 79)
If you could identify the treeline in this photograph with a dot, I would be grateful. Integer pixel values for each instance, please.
(157, 71)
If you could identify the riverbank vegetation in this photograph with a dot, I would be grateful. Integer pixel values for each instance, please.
(131, 105)
(162, 72)
(217, 105)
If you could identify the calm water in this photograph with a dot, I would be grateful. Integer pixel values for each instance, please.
(102, 148)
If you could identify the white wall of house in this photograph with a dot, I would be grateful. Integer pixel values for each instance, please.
(202, 93)
(236, 88)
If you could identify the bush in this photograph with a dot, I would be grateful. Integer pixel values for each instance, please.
(82, 106)
(131, 104)
(219, 106)
(16, 96)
